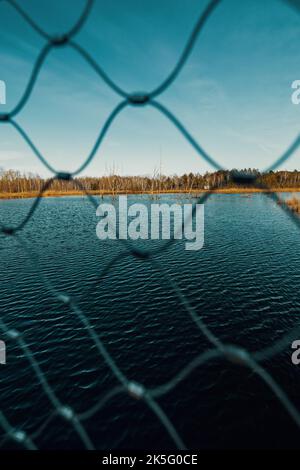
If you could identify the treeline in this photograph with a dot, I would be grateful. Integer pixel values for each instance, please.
(12, 181)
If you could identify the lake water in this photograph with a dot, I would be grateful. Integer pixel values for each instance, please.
(244, 283)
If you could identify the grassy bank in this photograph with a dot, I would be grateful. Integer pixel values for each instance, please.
(33, 194)
(294, 204)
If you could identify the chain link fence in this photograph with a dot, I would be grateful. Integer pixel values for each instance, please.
(220, 350)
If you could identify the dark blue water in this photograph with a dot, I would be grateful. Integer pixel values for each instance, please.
(244, 283)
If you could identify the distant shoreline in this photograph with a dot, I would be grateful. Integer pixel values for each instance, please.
(28, 195)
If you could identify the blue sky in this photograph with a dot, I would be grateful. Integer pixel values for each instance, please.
(234, 93)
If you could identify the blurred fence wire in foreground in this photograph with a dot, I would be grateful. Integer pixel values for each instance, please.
(227, 352)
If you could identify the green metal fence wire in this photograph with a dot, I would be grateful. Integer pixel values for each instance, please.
(219, 350)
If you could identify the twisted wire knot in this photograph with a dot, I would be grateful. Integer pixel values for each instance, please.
(8, 230)
(138, 99)
(66, 412)
(4, 117)
(237, 355)
(60, 40)
(243, 178)
(136, 390)
(61, 175)
(140, 254)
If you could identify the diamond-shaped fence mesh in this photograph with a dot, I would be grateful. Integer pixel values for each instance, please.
(137, 391)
